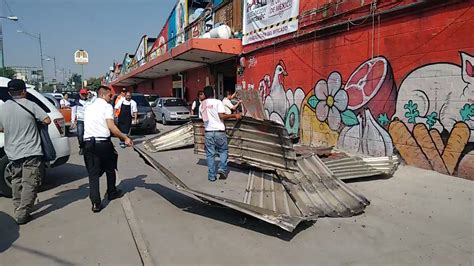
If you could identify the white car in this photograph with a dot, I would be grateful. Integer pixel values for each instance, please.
(56, 130)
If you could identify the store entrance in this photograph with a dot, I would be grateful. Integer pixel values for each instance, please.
(226, 78)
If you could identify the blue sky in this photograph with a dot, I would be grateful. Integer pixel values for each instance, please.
(105, 28)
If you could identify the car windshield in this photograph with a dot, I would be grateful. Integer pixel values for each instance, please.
(140, 100)
(152, 98)
(174, 102)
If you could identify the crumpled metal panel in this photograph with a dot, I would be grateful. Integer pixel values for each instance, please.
(252, 103)
(263, 144)
(317, 192)
(357, 167)
(177, 138)
(283, 220)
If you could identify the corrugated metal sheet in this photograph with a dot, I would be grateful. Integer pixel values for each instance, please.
(356, 167)
(177, 138)
(263, 144)
(252, 103)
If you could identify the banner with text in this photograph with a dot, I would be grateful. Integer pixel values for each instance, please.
(266, 19)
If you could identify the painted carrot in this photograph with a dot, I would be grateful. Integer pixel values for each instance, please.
(423, 138)
(456, 142)
(407, 146)
(438, 141)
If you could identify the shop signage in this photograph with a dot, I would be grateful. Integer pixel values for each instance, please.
(81, 57)
(266, 19)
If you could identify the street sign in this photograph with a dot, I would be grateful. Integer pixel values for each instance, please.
(81, 57)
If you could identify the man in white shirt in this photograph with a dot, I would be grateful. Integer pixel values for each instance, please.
(228, 105)
(99, 153)
(128, 111)
(213, 113)
(77, 117)
(64, 103)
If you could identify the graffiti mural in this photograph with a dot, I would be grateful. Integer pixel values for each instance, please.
(428, 120)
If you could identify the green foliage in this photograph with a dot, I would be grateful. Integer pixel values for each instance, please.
(349, 118)
(7, 72)
(313, 101)
(467, 112)
(94, 83)
(412, 111)
(431, 119)
(383, 119)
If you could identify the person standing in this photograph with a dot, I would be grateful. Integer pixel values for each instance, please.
(118, 99)
(128, 114)
(99, 153)
(196, 103)
(213, 113)
(22, 147)
(228, 105)
(77, 117)
(64, 103)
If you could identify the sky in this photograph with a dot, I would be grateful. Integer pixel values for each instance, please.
(106, 29)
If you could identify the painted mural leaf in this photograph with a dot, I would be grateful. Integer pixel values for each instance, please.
(467, 112)
(313, 101)
(431, 119)
(349, 118)
(412, 111)
(383, 119)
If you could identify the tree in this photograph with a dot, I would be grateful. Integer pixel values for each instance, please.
(94, 83)
(7, 72)
(76, 78)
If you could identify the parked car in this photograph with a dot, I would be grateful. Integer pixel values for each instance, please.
(66, 112)
(146, 117)
(56, 130)
(151, 98)
(170, 109)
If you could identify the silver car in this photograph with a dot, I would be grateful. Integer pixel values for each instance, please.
(168, 109)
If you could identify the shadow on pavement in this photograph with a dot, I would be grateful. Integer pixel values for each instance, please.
(9, 231)
(61, 200)
(62, 175)
(38, 253)
(216, 212)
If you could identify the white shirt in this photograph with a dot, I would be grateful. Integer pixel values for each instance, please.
(77, 111)
(210, 109)
(64, 102)
(132, 103)
(95, 115)
(227, 105)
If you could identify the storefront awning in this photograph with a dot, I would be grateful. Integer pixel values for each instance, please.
(191, 54)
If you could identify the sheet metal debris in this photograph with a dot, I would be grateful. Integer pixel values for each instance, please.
(263, 144)
(177, 138)
(356, 167)
(252, 103)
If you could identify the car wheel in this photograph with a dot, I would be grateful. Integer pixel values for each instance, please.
(5, 178)
(163, 120)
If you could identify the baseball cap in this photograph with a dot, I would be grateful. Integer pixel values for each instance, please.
(83, 91)
(16, 85)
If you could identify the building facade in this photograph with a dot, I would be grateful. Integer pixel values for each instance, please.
(376, 78)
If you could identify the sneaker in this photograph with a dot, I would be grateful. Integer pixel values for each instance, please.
(115, 194)
(123, 146)
(222, 174)
(212, 179)
(23, 220)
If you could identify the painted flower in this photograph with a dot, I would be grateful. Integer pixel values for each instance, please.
(332, 100)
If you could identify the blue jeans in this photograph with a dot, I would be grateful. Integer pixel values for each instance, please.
(216, 142)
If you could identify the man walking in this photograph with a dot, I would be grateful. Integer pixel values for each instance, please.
(99, 152)
(128, 111)
(22, 147)
(213, 113)
(77, 117)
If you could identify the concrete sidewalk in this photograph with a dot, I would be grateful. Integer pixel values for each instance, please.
(65, 231)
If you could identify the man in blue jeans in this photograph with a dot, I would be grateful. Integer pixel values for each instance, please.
(213, 113)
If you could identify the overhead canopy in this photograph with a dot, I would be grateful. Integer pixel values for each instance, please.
(191, 54)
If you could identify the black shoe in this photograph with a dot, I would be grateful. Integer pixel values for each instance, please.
(222, 174)
(96, 207)
(115, 194)
(81, 151)
(23, 220)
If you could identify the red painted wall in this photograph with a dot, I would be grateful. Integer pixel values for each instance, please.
(416, 71)
(195, 80)
(161, 86)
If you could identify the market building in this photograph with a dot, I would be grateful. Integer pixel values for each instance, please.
(375, 78)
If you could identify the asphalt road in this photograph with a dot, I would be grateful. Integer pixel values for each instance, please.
(416, 217)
